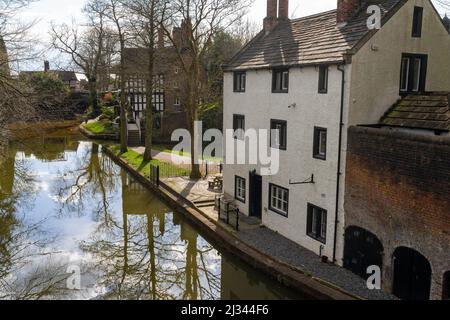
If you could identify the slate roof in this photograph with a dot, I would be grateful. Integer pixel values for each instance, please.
(309, 40)
(428, 111)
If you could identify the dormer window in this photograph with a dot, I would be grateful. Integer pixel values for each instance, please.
(239, 81)
(413, 73)
(280, 81)
(417, 22)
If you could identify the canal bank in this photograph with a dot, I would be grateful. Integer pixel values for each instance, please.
(65, 205)
(285, 273)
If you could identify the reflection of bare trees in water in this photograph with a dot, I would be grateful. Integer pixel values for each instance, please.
(22, 243)
(143, 263)
(94, 176)
(147, 257)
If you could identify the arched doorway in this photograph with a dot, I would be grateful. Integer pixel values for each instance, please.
(446, 286)
(412, 275)
(362, 249)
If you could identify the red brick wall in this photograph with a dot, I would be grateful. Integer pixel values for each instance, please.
(283, 9)
(398, 187)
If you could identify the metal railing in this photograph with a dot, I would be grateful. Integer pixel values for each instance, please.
(228, 212)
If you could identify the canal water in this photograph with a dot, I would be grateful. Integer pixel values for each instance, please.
(74, 225)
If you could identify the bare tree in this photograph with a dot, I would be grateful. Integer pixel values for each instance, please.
(86, 49)
(201, 19)
(444, 4)
(117, 15)
(16, 46)
(145, 25)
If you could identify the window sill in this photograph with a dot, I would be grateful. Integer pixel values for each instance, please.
(280, 91)
(321, 240)
(281, 213)
(240, 200)
(319, 157)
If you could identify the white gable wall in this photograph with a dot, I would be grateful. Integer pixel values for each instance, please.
(376, 74)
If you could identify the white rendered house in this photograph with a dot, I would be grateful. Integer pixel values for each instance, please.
(311, 78)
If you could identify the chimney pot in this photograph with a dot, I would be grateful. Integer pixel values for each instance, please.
(346, 9)
(270, 21)
(283, 9)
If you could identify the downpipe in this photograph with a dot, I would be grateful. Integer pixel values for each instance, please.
(341, 68)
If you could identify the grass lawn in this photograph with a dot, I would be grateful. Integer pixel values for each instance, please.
(100, 127)
(168, 149)
(136, 160)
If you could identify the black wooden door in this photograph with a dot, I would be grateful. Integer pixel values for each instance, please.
(412, 275)
(362, 250)
(255, 203)
(446, 286)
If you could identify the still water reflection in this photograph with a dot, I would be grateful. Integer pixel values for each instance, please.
(66, 208)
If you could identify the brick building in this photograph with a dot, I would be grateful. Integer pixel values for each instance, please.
(397, 201)
(167, 98)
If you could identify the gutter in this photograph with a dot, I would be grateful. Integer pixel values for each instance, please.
(338, 173)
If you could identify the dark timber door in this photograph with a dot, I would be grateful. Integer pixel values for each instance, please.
(412, 275)
(255, 203)
(362, 250)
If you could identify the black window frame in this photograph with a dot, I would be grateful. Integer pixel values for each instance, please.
(236, 119)
(244, 199)
(323, 87)
(276, 210)
(281, 89)
(283, 144)
(417, 22)
(316, 143)
(317, 234)
(237, 81)
(411, 58)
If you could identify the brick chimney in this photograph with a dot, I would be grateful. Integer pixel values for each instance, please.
(46, 66)
(270, 21)
(283, 9)
(346, 9)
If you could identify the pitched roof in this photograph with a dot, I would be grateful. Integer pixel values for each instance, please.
(65, 76)
(314, 39)
(427, 111)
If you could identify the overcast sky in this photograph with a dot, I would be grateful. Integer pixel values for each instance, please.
(58, 11)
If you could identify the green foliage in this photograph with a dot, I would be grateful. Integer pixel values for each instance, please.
(136, 160)
(46, 84)
(108, 112)
(100, 127)
(212, 115)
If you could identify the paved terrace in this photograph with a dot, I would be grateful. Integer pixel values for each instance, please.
(269, 242)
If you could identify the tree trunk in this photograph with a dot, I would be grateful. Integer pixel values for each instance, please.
(192, 117)
(149, 93)
(123, 107)
(93, 97)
